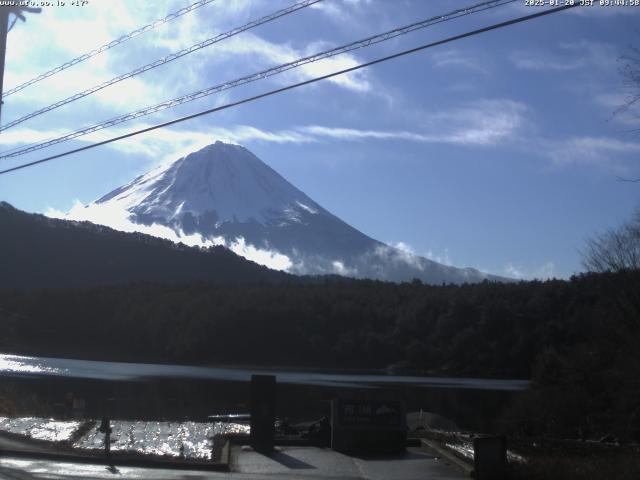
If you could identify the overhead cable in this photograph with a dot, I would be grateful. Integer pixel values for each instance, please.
(262, 75)
(296, 85)
(107, 46)
(166, 59)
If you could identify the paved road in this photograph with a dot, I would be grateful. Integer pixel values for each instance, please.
(291, 463)
(11, 444)
(322, 464)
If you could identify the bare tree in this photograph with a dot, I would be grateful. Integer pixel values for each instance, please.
(616, 249)
(630, 71)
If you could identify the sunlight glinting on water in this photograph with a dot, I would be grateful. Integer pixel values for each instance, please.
(174, 439)
(187, 439)
(40, 428)
(18, 364)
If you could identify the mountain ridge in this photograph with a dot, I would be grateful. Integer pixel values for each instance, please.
(226, 195)
(42, 252)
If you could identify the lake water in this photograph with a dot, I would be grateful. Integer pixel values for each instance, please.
(18, 365)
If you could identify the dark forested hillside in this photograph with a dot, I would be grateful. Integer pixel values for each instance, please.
(578, 340)
(36, 251)
(482, 329)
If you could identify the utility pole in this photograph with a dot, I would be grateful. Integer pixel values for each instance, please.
(4, 28)
(5, 12)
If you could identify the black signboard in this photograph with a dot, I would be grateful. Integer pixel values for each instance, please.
(369, 426)
(370, 413)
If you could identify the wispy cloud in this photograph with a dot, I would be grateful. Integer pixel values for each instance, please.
(545, 271)
(610, 100)
(443, 257)
(589, 150)
(614, 104)
(569, 56)
(480, 123)
(341, 11)
(117, 218)
(599, 11)
(454, 58)
(339, 268)
(410, 255)
(167, 143)
(268, 53)
(64, 33)
(384, 255)
(92, 26)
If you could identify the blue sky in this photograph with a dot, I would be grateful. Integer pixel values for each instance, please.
(498, 151)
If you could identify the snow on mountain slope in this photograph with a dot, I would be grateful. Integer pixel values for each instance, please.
(224, 178)
(224, 195)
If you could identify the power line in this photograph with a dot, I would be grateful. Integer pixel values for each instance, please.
(166, 59)
(296, 85)
(262, 75)
(111, 44)
(5, 28)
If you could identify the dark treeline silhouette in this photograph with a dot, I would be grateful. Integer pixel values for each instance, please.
(40, 252)
(486, 329)
(578, 340)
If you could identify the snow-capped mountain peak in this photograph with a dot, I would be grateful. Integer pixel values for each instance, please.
(223, 180)
(224, 194)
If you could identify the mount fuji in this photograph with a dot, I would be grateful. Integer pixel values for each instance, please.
(225, 195)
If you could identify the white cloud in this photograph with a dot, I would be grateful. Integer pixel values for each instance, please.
(409, 255)
(597, 10)
(117, 218)
(272, 54)
(332, 9)
(454, 58)
(443, 258)
(610, 100)
(63, 33)
(399, 254)
(166, 143)
(22, 136)
(173, 143)
(589, 150)
(357, 134)
(581, 54)
(615, 104)
(339, 268)
(268, 258)
(340, 11)
(479, 123)
(512, 271)
(545, 271)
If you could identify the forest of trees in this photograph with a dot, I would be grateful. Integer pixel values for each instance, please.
(578, 340)
(40, 252)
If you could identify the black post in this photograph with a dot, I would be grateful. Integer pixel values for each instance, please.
(105, 427)
(263, 412)
(490, 458)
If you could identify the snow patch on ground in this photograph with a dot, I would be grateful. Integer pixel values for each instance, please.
(40, 428)
(116, 217)
(174, 439)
